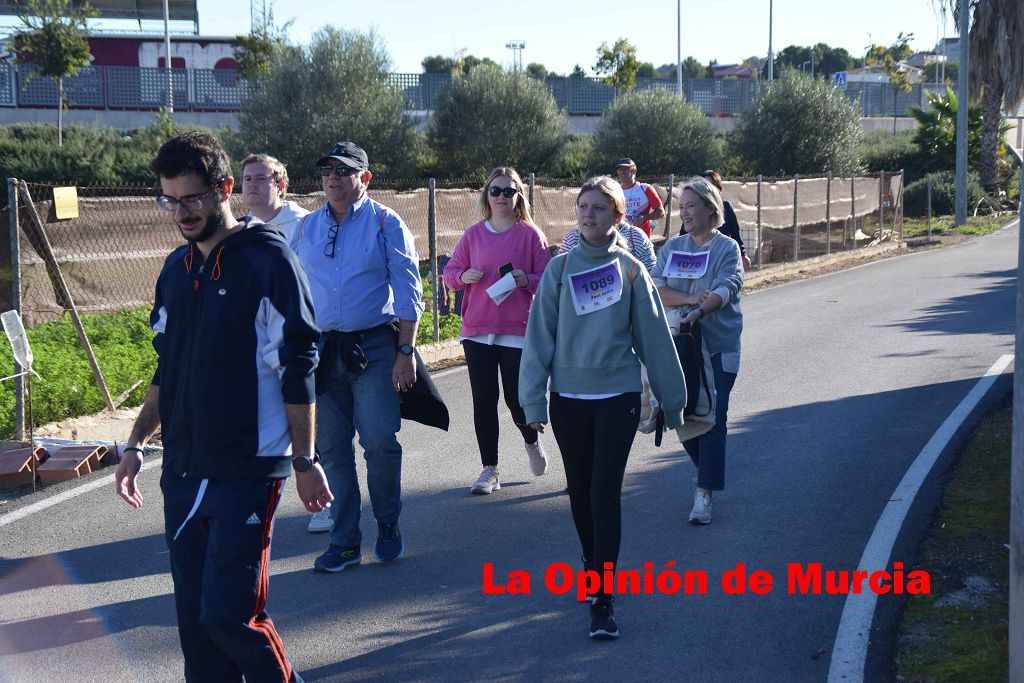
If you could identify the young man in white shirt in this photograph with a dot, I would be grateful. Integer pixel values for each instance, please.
(264, 183)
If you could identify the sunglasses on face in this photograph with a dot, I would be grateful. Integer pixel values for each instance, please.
(192, 202)
(340, 170)
(509, 192)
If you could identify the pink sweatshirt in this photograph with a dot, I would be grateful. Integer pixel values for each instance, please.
(521, 245)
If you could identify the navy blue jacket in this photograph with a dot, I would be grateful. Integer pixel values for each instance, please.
(236, 340)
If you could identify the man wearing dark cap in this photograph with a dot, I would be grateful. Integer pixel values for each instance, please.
(364, 274)
(643, 204)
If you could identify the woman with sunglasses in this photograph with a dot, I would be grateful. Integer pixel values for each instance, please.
(596, 317)
(505, 242)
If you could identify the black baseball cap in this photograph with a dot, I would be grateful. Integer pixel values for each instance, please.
(625, 161)
(348, 153)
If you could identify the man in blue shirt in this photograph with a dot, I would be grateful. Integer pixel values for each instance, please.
(364, 274)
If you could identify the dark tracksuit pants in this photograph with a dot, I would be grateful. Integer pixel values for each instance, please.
(220, 561)
(594, 438)
(485, 361)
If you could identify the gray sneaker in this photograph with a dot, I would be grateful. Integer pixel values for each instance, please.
(320, 522)
(487, 481)
(701, 512)
(538, 458)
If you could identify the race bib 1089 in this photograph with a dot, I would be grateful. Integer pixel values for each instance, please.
(687, 264)
(596, 288)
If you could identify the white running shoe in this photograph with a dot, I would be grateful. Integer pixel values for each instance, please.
(538, 458)
(487, 482)
(701, 512)
(320, 522)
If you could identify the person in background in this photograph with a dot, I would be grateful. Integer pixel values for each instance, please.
(643, 204)
(731, 226)
(264, 184)
(596, 316)
(492, 333)
(710, 291)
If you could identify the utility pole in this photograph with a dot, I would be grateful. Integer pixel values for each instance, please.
(517, 53)
(679, 47)
(167, 57)
(771, 55)
(960, 208)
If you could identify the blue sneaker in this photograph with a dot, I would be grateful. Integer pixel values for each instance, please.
(337, 558)
(389, 542)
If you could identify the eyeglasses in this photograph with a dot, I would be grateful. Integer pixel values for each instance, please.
(339, 170)
(193, 202)
(496, 191)
(332, 241)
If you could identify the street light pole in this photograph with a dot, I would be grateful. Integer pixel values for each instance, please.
(679, 47)
(960, 205)
(771, 55)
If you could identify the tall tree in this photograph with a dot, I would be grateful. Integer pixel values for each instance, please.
(996, 72)
(891, 59)
(618, 64)
(646, 70)
(254, 51)
(54, 43)
(537, 70)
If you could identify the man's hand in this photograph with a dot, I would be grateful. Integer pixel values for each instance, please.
(403, 374)
(312, 488)
(520, 277)
(746, 262)
(125, 479)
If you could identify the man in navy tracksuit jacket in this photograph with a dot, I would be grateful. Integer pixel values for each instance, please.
(233, 394)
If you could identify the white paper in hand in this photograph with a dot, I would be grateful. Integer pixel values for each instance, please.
(15, 332)
(500, 290)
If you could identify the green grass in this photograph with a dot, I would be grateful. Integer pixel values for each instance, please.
(943, 225)
(967, 642)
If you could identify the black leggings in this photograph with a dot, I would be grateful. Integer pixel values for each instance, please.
(594, 437)
(484, 361)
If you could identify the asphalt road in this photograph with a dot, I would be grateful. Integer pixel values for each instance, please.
(844, 378)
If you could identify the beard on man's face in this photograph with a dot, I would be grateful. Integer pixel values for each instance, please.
(213, 222)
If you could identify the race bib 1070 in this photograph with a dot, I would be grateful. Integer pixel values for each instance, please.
(687, 264)
(596, 288)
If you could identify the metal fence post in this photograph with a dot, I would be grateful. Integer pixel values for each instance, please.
(853, 210)
(19, 382)
(760, 240)
(668, 205)
(929, 207)
(432, 237)
(533, 207)
(828, 215)
(881, 204)
(796, 220)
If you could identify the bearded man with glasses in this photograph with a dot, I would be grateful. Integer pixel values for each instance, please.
(364, 275)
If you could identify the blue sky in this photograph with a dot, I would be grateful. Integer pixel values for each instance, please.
(561, 34)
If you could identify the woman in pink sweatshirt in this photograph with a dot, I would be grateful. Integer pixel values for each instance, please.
(505, 241)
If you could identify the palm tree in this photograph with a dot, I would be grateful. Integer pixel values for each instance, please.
(996, 71)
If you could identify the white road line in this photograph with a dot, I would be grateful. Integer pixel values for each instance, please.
(24, 512)
(849, 653)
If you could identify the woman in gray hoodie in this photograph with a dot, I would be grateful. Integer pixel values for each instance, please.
(595, 317)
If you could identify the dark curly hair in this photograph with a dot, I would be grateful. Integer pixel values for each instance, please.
(193, 152)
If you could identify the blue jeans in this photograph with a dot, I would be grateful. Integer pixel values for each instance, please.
(363, 402)
(708, 450)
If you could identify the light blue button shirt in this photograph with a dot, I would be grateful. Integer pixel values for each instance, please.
(374, 274)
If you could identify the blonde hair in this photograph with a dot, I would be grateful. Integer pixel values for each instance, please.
(708, 194)
(522, 205)
(613, 191)
(278, 171)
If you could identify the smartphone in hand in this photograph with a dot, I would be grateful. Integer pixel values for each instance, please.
(505, 270)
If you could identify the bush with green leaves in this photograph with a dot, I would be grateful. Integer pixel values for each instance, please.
(490, 117)
(881, 150)
(659, 130)
(799, 125)
(335, 88)
(915, 195)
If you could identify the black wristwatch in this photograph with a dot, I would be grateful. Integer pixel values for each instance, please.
(302, 463)
(406, 349)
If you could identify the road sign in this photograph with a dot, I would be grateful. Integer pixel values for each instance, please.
(839, 79)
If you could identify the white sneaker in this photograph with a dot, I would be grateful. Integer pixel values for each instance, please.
(538, 458)
(487, 482)
(701, 512)
(320, 522)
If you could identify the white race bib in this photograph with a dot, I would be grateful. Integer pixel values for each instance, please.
(596, 288)
(688, 265)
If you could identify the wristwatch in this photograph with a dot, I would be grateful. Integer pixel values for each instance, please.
(302, 463)
(406, 349)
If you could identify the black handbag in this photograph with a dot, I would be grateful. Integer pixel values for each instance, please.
(689, 346)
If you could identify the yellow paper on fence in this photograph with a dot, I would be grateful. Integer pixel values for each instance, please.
(65, 202)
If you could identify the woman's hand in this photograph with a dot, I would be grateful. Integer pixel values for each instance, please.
(701, 297)
(471, 275)
(691, 317)
(520, 277)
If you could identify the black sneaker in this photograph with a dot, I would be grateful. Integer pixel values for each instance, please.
(602, 619)
(337, 558)
(389, 542)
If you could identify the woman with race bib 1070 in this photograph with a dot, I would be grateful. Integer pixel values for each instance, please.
(595, 312)
(701, 270)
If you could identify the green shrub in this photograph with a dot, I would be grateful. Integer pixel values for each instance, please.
(884, 151)
(575, 158)
(799, 125)
(915, 196)
(659, 130)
